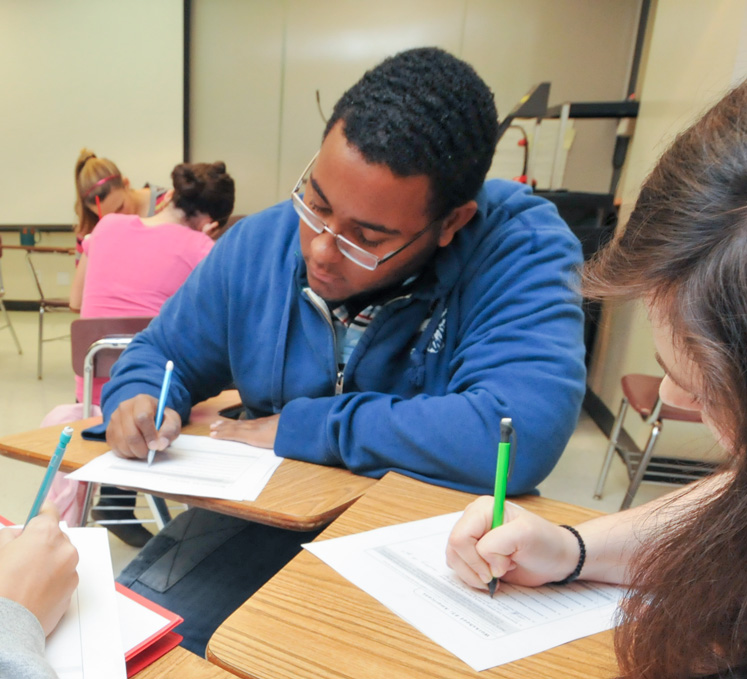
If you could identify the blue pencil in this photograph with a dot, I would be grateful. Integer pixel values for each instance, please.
(162, 404)
(52, 469)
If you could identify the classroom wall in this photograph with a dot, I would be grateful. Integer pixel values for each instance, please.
(97, 73)
(697, 50)
(258, 65)
(255, 69)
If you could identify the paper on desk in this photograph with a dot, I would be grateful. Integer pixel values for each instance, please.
(87, 642)
(404, 567)
(191, 465)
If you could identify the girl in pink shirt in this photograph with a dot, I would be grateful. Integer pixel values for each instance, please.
(131, 265)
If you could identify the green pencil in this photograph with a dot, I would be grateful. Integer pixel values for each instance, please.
(501, 478)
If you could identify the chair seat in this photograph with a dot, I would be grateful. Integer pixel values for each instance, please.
(642, 392)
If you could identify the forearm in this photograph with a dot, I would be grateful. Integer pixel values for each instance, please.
(449, 440)
(612, 541)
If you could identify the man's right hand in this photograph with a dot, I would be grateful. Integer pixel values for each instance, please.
(132, 428)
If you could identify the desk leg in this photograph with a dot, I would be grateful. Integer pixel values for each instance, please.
(86, 505)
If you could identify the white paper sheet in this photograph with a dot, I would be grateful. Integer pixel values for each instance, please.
(191, 465)
(404, 567)
(137, 623)
(88, 642)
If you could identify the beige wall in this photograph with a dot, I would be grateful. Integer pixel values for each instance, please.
(696, 50)
(95, 73)
(258, 65)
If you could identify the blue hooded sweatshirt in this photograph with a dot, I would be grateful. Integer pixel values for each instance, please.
(494, 330)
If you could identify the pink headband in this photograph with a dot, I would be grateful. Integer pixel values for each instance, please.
(100, 182)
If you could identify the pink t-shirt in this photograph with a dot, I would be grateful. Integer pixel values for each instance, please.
(133, 269)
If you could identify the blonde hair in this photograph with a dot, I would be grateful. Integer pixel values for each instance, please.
(94, 177)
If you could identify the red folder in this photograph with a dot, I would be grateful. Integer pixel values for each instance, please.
(149, 649)
(160, 642)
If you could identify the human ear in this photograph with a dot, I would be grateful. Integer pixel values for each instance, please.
(211, 229)
(455, 220)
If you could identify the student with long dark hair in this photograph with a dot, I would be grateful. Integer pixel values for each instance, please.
(684, 254)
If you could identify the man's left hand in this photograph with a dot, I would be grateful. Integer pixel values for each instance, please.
(260, 432)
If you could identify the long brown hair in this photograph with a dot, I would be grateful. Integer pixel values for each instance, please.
(684, 250)
(94, 177)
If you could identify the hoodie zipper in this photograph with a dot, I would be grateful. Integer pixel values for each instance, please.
(324, 311)
(321, 307)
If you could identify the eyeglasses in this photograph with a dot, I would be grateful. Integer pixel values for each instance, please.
(355, 253)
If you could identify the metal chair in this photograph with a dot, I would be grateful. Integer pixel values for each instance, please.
(96, 343)
(4, 311)
(46, 303)
(641, 392)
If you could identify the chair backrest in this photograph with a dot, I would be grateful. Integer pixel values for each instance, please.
(85, 331)
(642, 392)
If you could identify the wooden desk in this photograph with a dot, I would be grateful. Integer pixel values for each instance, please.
(298, 496)
(310, 622)
(179, 663)
(41, 248)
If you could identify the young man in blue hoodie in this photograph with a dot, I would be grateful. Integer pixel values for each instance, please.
(386, 317)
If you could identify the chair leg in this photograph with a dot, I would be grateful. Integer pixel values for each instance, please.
(159, 510)
(41, 339)
(10, 327)
(614, 435)
(642, 465)
(87, 505)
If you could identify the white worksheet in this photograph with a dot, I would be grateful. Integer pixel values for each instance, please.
(87, 642)
(192, 465)
(404, 567)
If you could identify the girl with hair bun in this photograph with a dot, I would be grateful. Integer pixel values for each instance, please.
(130, 265)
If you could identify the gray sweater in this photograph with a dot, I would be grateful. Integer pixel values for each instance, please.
(21, 644)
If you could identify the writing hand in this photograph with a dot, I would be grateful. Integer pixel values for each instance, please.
(525, 550)
(132, 428)
(260, 432)
(37, 567)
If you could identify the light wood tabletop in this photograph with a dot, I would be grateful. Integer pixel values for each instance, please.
(179, 663)
(298, 496)
(60, 250)
(310, 622)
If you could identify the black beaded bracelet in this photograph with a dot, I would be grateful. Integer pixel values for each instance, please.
(582, 557)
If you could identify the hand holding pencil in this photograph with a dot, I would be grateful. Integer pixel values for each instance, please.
(132, 430)
(496, 540)
(526, 550)
(161, 404)
(37, 567)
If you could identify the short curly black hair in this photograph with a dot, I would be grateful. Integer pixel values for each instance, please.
(424, 112)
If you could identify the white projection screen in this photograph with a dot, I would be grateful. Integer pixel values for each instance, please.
(104, 74)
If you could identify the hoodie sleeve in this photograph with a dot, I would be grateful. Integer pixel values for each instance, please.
(513, 335)
(21, 644)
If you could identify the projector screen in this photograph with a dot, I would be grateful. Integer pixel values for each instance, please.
(102, 74)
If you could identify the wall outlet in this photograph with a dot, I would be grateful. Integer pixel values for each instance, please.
(63, 278)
